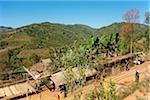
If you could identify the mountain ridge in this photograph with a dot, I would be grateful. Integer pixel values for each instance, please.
(39, 38)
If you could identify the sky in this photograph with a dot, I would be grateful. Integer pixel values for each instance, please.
(93, 13)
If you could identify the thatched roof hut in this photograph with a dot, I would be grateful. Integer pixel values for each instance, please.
(38, 69)
(119, 58)
(124, 57)
(60, 77)
(90, 72)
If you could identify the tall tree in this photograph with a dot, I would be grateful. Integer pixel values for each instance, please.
(131, 17)
(125, 29)
(147, 22)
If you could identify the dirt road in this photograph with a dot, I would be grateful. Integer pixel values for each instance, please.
(121, 79)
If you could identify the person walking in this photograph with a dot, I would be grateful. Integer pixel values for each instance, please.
(127, 65)
(137, 76)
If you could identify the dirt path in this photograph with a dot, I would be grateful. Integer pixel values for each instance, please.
(129, 76)
(140, 95)
(122, 78)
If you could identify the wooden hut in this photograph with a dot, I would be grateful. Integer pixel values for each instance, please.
(120, 58)
(59, 78)
(39, 70)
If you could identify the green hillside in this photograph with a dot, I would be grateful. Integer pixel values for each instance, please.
(140, 34)
(49, 34)
(139, 30)
(28, 44)
(24, 43)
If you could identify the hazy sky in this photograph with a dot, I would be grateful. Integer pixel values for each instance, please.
(93, 13)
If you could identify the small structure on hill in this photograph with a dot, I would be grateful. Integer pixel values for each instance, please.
(40, 74)
(39, 70)
(115, 64)
(59, 78)
(120, 58)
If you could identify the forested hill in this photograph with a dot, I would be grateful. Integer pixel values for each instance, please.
(47, 34)
(26, 45)
(54, 35)
(139, 29)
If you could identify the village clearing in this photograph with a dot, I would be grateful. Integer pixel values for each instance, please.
(122, 79)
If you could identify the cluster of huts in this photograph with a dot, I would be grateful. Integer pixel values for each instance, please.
(39, 71)
(55, 81)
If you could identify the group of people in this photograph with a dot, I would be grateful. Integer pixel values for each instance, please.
(137, 74)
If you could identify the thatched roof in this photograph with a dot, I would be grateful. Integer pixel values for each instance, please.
(46, 62)
(60, 78)
(38, 69)
(119, 58)
(90, 72)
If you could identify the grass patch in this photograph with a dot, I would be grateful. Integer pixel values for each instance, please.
(29, 52)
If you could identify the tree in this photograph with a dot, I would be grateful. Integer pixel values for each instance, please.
(109, 44)
(112, 93)
(131, 17)
(101, 90)
(35, 58)
(105, 93)
(13, 57)
(70, 79)
(121, 48)
(3, 44)
(55, 56)
(125, 29)
(76, 57)
(147, 22)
